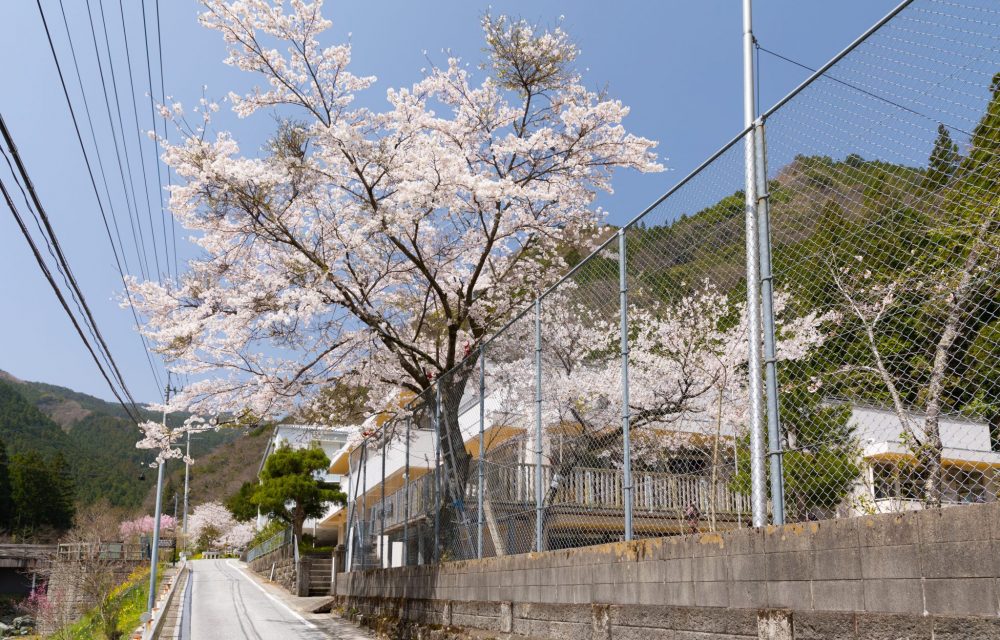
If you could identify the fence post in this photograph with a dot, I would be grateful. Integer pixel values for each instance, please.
(482, 450)
(437, 471)
(364, 507)
(758, 492)
(406, 506)
(351, 487)
(538, 424)
(381, 537)
(767, 307)
(626, 414)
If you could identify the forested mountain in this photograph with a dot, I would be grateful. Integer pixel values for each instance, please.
(216, 475)
(93, 436)
(903, 261)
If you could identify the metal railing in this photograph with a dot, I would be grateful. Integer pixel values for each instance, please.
(590, 488)
(113, 551)
(275, 543)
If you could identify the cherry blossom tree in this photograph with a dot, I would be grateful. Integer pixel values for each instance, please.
(687, 376)
(143, 525)
(376, 248)
(213, 522)
(161, 438)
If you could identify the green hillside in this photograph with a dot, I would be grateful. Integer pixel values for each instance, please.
(93, 436)
(216, 475)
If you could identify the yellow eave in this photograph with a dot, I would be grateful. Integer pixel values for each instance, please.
(947, 462)
(340, 464)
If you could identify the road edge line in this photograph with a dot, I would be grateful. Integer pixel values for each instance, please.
(272, 597)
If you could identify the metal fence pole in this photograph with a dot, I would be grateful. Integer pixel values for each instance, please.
(350, 509)
(758, 492)
(626, 414)
(406, 506)
(767, 307)
(364, 507)
(437, 471)
(538, 424)
(381, 538)
(482, 449)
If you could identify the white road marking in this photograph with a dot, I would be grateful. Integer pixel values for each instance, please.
(273, 598)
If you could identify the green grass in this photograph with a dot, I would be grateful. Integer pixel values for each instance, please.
(133, 594)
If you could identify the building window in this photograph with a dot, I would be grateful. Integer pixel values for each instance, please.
(905, 480)
(897, 481)
(965, 485)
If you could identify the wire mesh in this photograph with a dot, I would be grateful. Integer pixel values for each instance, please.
(509, 465)
(882, 209)
(883, 203)
(686, 281)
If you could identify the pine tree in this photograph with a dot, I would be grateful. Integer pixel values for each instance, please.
(241, 503)
(289, 478)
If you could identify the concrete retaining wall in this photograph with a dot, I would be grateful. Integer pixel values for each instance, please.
(934, 567)
(434, 619)
(283, 564)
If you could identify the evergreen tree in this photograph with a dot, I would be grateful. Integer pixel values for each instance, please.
(943, 160)
(6, 501)
(42, 492)
(241, 503)
(62, 504)
(289, 488)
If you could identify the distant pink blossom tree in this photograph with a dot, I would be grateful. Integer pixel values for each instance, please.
(143, 525)
(222, 527)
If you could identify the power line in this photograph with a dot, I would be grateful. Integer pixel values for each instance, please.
(107, 106)
(93, 137)
(61, 257)
(130, 410)
(48, 244)
(152, 118)
(138, 135)
(97, 149)
(93, 181)
(166, 136)
(152, 231)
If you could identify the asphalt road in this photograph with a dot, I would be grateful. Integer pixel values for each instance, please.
(225, 604)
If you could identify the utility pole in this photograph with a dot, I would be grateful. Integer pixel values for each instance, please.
(187, 473)
(155, 554)
(758, 491)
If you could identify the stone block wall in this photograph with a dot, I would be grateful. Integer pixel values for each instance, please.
(923, 568)
(283, 564)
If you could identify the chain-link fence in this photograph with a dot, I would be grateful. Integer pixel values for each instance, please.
(620, 404)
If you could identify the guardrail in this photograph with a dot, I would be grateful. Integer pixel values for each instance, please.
(124, 552)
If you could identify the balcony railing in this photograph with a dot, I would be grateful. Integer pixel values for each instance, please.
(583, 488)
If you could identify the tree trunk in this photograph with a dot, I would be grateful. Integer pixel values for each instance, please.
(930, 453)
(713, 495)
(455, 527)
(298, 521)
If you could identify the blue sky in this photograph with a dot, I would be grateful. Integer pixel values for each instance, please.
(676, 64)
